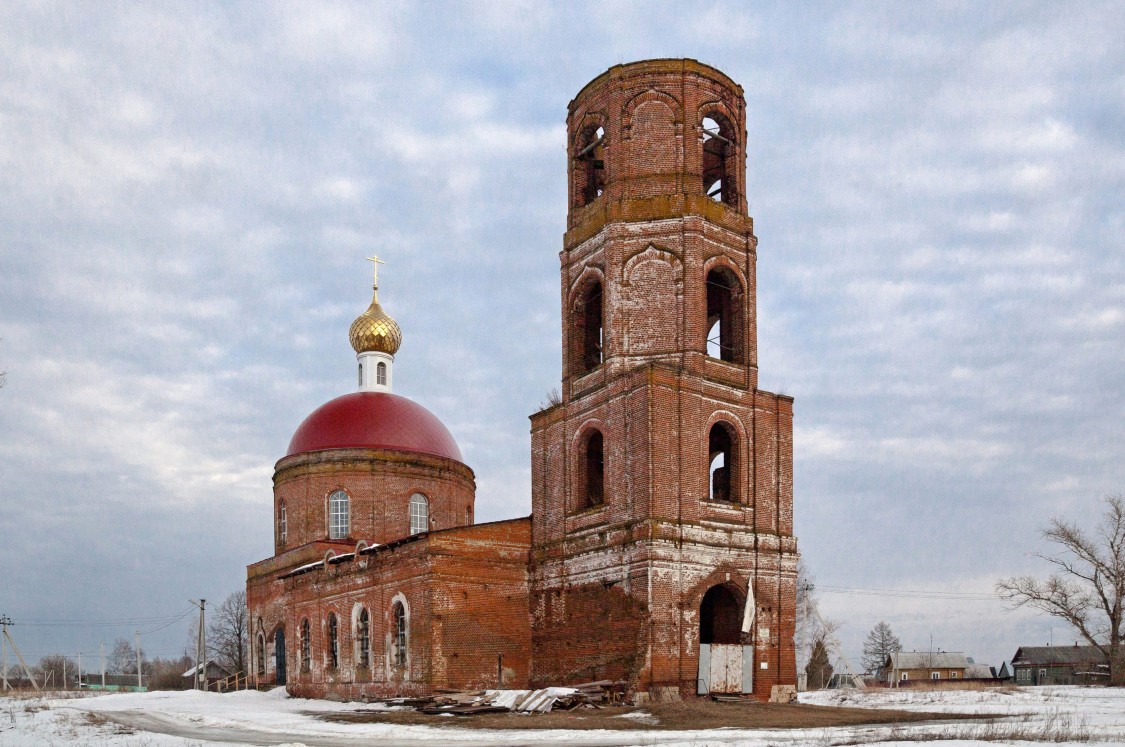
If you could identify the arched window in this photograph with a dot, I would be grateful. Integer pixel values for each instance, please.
(261, 657)
(587, 332)
(306, 646)
(419, 513)
(593, 469)
(718, 159)
(360, 374)
(589, 166)
(362, 638)
(333, 641)
(381, 374)
(720, 616)
(721, 463)
(338, 515)
(279, 656)
(399, 631)
(725, 315)
(282, 523)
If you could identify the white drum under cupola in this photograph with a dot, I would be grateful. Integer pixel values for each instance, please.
(376, 338)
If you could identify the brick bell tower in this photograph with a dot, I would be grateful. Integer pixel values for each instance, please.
(662, 483)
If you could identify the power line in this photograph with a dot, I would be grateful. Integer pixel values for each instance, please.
(162, 620)
(909, 593)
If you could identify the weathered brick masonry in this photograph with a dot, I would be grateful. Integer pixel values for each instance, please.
(660, 260)
(660, 548)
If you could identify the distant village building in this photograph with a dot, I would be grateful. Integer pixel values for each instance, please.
(923, 666)
(1060, 665)
(213, 674)
(660, 548)
(114, 681)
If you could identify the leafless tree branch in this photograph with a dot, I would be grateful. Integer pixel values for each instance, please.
(1088, 589)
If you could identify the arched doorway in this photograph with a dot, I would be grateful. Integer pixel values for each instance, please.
(725, 665)
(279, 655)
(720, 616)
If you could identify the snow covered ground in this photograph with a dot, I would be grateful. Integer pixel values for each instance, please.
(163, 719)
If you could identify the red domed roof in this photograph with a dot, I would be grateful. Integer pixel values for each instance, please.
(374, 420)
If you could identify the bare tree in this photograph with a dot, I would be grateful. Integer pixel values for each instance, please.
(227, 635)
(819, 669)
(880, 643)
(1087, 589)
(123, 659)
(811, 625)
(167, 674)
(53, 670)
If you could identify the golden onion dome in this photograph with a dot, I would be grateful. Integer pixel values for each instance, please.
(374, 331)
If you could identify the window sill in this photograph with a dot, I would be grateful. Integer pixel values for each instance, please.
(724, 505)
(588, 511)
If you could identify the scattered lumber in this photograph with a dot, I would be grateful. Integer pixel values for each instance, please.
(597, 694)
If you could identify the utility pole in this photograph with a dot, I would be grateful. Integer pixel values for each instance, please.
(200, 648)
(4, 649)
(138, 636)
(803, 655)
(101, 650)
(5, 621)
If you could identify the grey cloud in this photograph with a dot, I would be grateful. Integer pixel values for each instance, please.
(190, 191)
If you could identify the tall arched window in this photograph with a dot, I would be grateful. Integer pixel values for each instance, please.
(587, 332)
(593, 469)
(333, 641)
(381, 374)
(279, 656)
(722, 466)
(719, 159)
(282, 523)
(261, 655)
(338, 515)
(725, 315)
(419, 513)
(306, 646)
(589, 166)
(399, 631)
(362, 638)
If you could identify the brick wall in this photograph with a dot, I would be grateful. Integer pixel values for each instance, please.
(380, 483)
(466, 593)
(640, 563)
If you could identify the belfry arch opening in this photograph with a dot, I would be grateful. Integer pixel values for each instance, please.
(589, 165)
(720, 616)
(725, 317)
(719, 160)
(587, 331)
(592, 456)
(722, 463)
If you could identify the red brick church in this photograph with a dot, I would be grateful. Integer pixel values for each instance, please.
(660, 546)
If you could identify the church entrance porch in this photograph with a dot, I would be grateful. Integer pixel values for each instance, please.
(725, 665)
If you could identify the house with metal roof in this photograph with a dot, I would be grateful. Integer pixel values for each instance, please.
(913, 666)
(1060, 665)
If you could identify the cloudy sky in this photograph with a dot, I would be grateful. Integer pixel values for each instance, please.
(187, 193)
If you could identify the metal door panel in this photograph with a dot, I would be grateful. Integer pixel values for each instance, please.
(726, 668)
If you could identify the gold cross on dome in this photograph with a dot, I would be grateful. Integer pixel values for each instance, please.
(375, 262)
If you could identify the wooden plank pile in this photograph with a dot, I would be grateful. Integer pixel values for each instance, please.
(471, 703)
